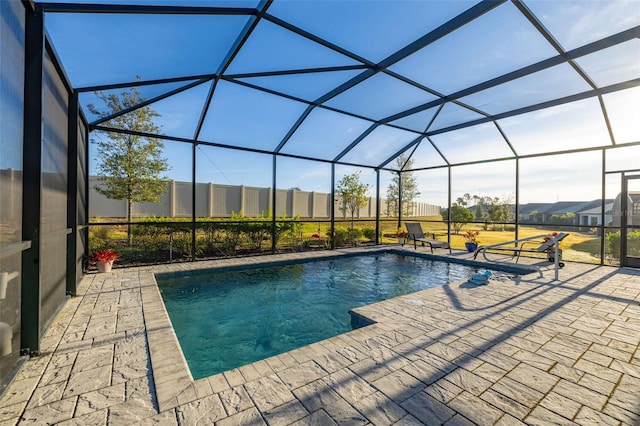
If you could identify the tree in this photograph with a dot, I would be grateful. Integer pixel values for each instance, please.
(500, 212)
(460, 215)
(130, 165)
(496, 211)
(465, 200)
(563, 219)
(352, 194)
(409, 188)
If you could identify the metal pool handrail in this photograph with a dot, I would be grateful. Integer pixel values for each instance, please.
(552, 238)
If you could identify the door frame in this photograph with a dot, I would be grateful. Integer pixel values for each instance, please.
(625, 211)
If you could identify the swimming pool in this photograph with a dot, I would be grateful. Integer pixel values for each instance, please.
(226, 319)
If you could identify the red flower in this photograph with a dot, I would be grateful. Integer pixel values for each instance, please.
(315, 236)
(104, 256)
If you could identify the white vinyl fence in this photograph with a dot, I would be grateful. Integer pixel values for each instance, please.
(215, 200)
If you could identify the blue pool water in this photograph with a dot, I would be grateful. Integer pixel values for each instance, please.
(227, 319)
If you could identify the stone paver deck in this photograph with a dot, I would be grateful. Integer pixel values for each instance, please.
(527, 351)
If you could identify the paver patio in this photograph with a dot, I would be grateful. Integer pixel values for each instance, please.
(524, 351)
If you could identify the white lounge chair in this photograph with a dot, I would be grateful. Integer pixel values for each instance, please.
(546, 246)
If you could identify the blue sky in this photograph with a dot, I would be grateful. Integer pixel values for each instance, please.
(102, 49)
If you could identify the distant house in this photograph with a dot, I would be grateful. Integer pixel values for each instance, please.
(591, 216)
(532, 212)
(585, 213)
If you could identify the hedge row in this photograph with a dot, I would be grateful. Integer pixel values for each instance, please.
(156, 240)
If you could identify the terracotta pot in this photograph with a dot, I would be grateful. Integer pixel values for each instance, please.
(104, 266)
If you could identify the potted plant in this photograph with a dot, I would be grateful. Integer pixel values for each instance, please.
(316, 241)
(472, 240)
(551, 251)
(104, 259)
(402, 235)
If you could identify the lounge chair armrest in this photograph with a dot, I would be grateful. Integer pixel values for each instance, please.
(533, 242)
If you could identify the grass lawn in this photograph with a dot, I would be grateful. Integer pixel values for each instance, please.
(577, 246)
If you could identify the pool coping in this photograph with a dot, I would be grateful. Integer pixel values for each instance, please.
(174, 383)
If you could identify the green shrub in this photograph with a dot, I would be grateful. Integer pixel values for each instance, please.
(633, 244)
(289, 228)
(369, 233)
(181, 244)
(229, 238)
(256, 233)
(613, 244)
(100, 231)
(151, 242)
(341, 236)
(344, 236)
(354, 235)
(96, 243)
(214, 237)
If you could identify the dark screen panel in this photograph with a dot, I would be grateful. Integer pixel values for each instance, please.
(12, 27)
(81, 205)
(53, 222)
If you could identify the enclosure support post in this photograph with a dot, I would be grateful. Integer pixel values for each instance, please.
(377, 239)
(32, 180)
(87, 190)
(602, 206)
(193, 201)
(72, 195)
(332, 230)
(399, 199)
(517, 203)
(449, 204)
(273, 204)
(624, 210)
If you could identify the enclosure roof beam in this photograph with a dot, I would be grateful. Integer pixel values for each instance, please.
(463, 18)
(403, 149)
(551, 40)
(537, 155)
(542, 105)
(144, 9)
(149, 102)
(141, 83)
(356, 142)
(296, 71)
(222, 145)
(319, 40)
(226, 62)
(596, 46)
